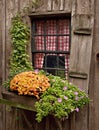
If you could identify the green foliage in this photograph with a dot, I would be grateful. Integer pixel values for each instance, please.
(19, 60)
(60, 99)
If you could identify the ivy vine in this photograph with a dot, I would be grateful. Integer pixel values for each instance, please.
(19, 60)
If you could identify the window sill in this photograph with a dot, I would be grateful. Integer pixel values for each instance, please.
(14, 100)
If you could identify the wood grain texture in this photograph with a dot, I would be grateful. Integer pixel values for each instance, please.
(11, 9)
(49, 5)
(1, 106)
(68, 5)
(83, 6)
(80, 57)
(3, 12)
(56, 5)
(27, 102)
(94, 88)
(81, 47)
(0, 45)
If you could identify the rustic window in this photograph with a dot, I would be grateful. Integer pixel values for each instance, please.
(51, 45)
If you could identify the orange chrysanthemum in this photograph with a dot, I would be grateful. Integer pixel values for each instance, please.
(30, 83)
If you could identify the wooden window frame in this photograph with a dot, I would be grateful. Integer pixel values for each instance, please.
(55, 17)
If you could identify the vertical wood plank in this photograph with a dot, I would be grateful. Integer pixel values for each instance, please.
(1, 106)
(11, 10)
(0, 46)
(95, 105)
(56, 5)
(3, 24)
(81, 50)
(49, 5)
(91, 125)
(47, 126)
(83, 6)
(62, 2)
(66, 124)
(68, 5)
(42, 6)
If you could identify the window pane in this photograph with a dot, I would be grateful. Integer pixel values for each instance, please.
(39, 43)
(51, 27)
(51, 43)
(54, 62)
(63, 43)
(38, 59)
(39, 27)
(63, 26)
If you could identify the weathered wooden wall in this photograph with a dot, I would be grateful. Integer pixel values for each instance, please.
(83, 49)
(94, 79)
(1, 107)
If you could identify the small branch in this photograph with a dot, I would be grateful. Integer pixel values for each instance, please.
(26, 120)
(58, 123)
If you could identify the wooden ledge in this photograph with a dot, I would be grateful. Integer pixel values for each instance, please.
(23, 102)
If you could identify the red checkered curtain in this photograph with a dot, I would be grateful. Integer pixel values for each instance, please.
(54, 35)
(64, 41)
(39, 45)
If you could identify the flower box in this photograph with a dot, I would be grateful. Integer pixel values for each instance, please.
(23, 102)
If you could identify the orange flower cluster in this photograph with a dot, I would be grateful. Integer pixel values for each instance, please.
(30, 83)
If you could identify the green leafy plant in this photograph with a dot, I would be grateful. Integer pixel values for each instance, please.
(61, 99)
(19, 60)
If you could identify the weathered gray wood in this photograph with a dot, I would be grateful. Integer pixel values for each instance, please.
(91, 90)
(77, 75)
(82, 31)
(66, 124)
(81, 49)
(3, 11)
(55, 5)
(27, 102)
(11, 9)
(0, 45)
(83, 6)
(62, 2)
(42, 5)
(49, 5)
(16, 105)
(1, 106)
(68, 5)
(94, 87)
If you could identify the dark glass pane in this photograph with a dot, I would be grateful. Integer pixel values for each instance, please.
(53, 62)
(61, 62)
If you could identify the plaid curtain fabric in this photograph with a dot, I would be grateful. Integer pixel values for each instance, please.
(54, 36)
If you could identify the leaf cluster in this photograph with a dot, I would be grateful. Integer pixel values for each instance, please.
(19, 60)
(60, 99)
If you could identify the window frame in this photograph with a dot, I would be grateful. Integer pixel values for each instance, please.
(48, 17)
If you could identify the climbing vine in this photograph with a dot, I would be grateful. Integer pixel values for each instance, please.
(19, 60)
